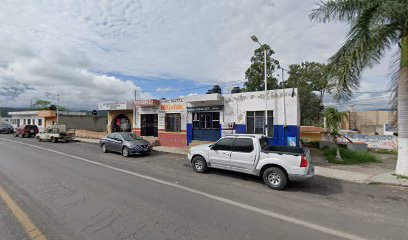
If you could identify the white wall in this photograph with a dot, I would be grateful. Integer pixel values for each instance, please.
(236, 106)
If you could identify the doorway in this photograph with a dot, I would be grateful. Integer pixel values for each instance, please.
(206, 126)
(121, 124)
(149, 124)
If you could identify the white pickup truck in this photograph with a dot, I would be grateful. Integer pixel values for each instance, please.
(252, 154)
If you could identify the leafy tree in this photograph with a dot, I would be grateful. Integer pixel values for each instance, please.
(42, 104)
(255, 73)
(309, 77)
(46, 105)
(375, 26)
(333, 120)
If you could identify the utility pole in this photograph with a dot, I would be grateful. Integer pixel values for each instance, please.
(57, 107)
(134, 110)
(284, 99)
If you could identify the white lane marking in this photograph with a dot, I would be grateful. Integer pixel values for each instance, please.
(269, 213)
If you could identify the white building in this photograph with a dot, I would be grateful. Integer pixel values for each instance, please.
(27, 118)
(212, 115)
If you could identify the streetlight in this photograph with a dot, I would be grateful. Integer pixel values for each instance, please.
(255, 39)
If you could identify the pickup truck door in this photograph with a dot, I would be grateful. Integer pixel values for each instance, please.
(243, 155)
(220, 153)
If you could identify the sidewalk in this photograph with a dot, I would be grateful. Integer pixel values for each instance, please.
(372, 173)
(367, 173)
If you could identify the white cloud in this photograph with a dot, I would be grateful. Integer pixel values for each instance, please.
(61, 45)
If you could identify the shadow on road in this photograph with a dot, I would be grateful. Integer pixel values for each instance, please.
(317, 185)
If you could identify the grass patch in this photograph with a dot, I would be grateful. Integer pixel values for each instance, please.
(349, 157)
(385, 151)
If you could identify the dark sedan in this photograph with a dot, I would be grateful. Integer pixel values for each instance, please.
(125, 143)
(6, 128)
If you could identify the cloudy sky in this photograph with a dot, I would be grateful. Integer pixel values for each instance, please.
(97, 51)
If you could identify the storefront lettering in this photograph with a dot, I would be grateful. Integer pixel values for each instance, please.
(172, 107)
(112, 106)
(204, 109)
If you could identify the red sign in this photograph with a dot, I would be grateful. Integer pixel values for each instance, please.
(147, 102)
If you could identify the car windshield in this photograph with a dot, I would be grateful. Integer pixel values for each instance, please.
(130, 136)
(264, 143)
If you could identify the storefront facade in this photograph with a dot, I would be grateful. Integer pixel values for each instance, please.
(120, 116)
(147, 118)
(245, 113)
(204, 117)
(207, 117)
(172, 123)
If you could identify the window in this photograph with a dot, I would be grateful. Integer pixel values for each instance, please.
(173, 122)
(117, 136)
(243, 145)
(33, 121)
(28, 121)
(24, 121)
(196, 120)
(39, 122)
(209, 120)
(224, 144)
(264, 143)
(256, 122)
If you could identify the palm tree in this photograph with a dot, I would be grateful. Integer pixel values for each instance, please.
(333, 120)
(375, 26)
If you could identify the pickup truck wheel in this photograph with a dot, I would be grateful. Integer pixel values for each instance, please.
(125, 152)
(199, 164)
(54, 139)
(275, 178)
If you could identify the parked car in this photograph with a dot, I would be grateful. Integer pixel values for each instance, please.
(126, 143)
(6, 128)
(55, 133)
(253, 155)
(26, 131)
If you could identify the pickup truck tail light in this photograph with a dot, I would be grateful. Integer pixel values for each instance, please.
(303, 161)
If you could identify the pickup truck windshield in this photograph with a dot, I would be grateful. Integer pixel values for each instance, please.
(263, 142)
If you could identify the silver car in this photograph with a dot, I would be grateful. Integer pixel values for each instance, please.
(126, 143)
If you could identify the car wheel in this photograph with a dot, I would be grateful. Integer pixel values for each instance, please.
(54, 139)
(104, 150)
(15, 134)
(38, 139)
(199, 164)
(275, 178)
(125, 152)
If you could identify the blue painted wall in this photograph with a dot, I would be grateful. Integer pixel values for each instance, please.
(240, 128)
(281, 134)
(189, 133)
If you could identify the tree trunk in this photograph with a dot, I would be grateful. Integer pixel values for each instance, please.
(402, 163)
(338, 156)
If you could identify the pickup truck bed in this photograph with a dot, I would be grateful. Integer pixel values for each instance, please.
(296, 151)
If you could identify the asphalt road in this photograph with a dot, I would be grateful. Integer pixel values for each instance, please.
(74, 191)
